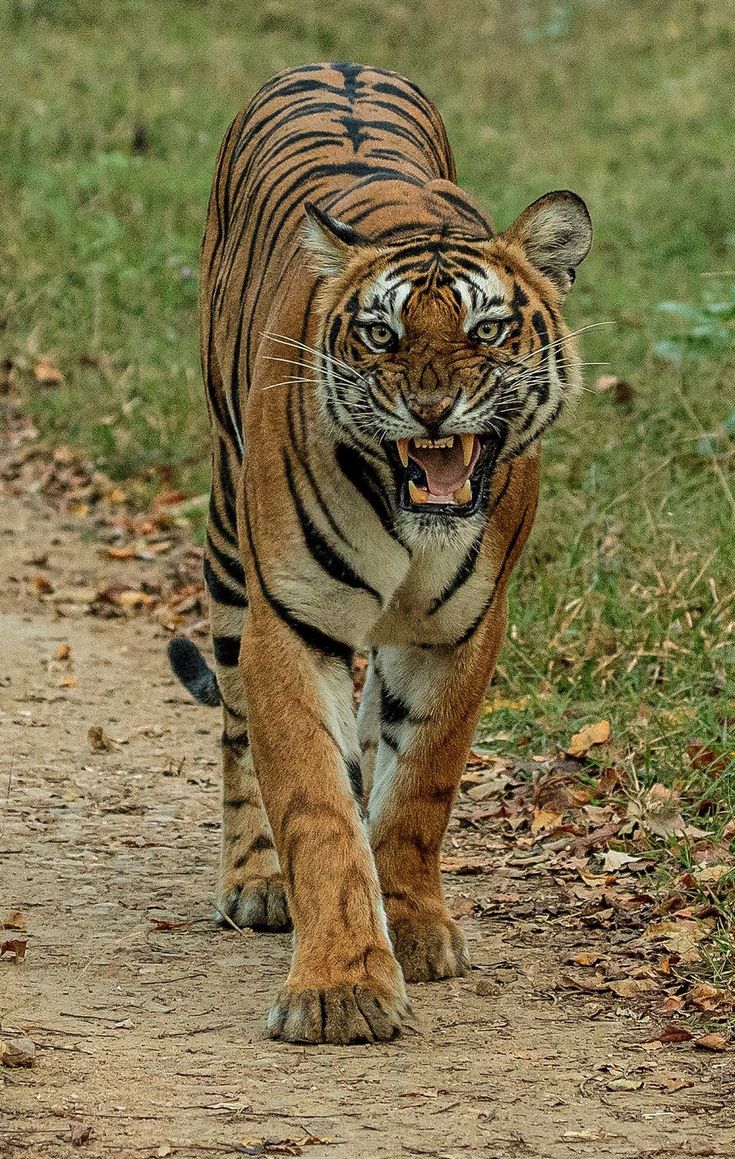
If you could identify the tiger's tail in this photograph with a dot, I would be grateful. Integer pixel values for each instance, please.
(190, 667)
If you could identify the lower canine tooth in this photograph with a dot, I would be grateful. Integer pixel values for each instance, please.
(402, 445)
(464, 494)
(417, 494)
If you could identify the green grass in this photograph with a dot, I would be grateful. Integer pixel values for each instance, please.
(110, 118)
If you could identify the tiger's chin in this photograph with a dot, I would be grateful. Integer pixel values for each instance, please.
(445, 480)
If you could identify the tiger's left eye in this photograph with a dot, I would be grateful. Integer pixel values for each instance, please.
(379, 334)
(488, 331)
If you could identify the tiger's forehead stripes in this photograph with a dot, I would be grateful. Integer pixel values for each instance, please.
(476, 297)
(384, 302)
(488, 299)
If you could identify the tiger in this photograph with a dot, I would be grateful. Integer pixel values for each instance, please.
(380, 364)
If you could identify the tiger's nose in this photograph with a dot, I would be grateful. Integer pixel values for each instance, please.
(430, 411)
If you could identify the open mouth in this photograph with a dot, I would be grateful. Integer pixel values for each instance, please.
(444, 475)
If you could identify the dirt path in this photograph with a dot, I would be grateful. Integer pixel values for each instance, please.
(154, 1037)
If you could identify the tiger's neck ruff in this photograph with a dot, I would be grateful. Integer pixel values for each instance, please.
(380, 366)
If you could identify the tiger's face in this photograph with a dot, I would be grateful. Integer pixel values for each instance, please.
(449, 354)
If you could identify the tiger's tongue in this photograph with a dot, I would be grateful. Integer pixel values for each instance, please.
(444, 467)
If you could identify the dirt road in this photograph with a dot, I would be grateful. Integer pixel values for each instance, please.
(148, 1020)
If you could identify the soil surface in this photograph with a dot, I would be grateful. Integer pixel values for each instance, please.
(148, 1019)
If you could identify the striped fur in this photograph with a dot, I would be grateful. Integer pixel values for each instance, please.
(353, 300)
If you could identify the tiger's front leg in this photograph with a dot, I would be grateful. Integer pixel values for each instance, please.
(430, 700)
(344, 984)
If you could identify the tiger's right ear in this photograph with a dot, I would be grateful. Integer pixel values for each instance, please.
(329, 240)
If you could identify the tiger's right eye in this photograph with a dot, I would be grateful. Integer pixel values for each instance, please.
(379, 334)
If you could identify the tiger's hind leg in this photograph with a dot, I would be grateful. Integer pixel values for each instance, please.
(368, 726)
(251, 889)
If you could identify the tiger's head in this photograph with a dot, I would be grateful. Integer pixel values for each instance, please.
(448, 353)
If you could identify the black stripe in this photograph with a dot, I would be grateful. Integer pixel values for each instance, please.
(491, 598)
(239, 744)
(226, 650)
(462, 574)
(393, 710)
(458, 202)
(320, 548)
(222, 592)
(306, 468)
(261, 843)
(366, 480)
(470, 561)
(232, 567)
(354, 772)
(312, 637)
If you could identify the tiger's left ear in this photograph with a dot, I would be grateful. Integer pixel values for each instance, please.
(330, 240)
(555, 233)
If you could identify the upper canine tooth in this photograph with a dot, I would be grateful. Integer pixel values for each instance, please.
(417, 494)
(402, 445)
(468, 446)
(464, 494)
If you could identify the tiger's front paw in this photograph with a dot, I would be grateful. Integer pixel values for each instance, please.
(339, 1014)
(258, 903)
(429, 947)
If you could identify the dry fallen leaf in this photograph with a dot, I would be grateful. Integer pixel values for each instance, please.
(16, 1050)
(632, 987)
(706, 759)
(585, 959)
(716, 1042)
(711, 874)
(466, 865)
(477, 759)
(99, 740)
(624, 1084)
(591, 983)
(673, 1082)
(614, 860)
(134, 599)
(681, 936)
(489, 787)
(674, 1033)
(16, 920)
(707, 997)
(544, 820)
(120, 552)
(15, 947)
(587, 737)
(167, 924)
(63, 652)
